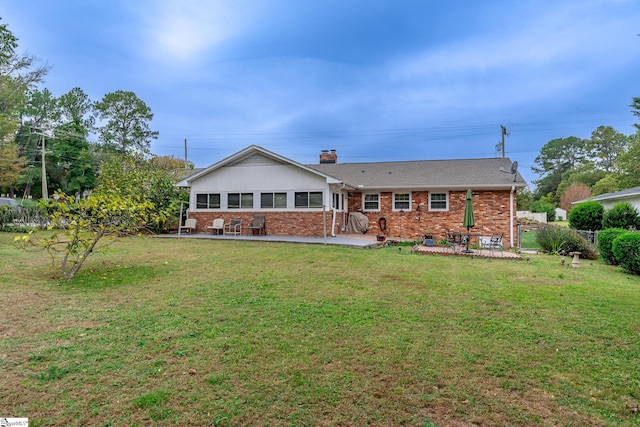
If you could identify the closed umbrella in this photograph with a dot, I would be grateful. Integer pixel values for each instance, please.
(469, 220)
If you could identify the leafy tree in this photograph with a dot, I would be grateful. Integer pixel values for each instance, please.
(556, 158)
(127, 122)
(12, 166)
(635, 109)
(608, 184)
(544, 206)
(587, 216)
(81, 228)
(621, 215)
(629, 164)
(77, 108)
(136, 175)
(573, 193)
(605, 145)
(524, 199)
(18, 73)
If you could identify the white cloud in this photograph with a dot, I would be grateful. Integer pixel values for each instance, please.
(183, 32)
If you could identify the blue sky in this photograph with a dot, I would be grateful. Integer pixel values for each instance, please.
(374, 80)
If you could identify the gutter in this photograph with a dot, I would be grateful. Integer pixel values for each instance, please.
(513, 191)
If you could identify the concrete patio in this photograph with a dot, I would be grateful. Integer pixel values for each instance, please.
(348, 240)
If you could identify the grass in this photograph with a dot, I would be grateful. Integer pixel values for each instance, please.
(195, 332)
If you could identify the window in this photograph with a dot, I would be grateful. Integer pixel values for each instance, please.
(371, 202)
(207, 201)
(438, 201)
(402, 201)
(273, 200)
(311, 199)
(240, 200)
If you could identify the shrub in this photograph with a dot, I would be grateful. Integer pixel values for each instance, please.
(587, 216)
(562, 240)
(605, 243)
(621, 215)
(626, 249)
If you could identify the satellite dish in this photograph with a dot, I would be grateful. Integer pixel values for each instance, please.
(514, 170)
(514, 167)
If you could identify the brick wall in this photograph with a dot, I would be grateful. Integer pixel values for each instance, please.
(491, 210)
(285, 223)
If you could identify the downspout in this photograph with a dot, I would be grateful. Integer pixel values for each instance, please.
(513, 190)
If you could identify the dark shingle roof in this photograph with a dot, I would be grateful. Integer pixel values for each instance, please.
(475, 173)
(629, 192)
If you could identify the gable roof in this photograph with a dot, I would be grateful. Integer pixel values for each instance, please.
(250, 151)
(490, 173)
(622, 194)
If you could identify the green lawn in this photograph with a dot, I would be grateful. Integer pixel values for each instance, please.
(195, 332)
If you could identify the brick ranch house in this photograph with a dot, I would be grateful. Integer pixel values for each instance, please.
(410, 198)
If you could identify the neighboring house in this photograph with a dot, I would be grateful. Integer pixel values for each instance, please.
(410, 198)
(631, 195)
(561, 214)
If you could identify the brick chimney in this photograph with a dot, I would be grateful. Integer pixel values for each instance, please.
(328, 156)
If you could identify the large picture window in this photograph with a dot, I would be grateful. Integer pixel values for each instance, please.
(240, 201)
(273, 200)
(207, 201)
(308, 199)
(402, 201)
(438, 201)
(371, 202)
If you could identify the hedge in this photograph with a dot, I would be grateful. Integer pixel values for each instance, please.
(605, 243)
(626, 249)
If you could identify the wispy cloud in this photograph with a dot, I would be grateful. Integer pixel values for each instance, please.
(184, 32)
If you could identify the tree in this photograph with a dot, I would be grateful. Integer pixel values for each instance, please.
(139, 176)
(12, 166)
(127, 122)
(81, 228)
(77, 108)
(628, 164)
(573, 193)
(18, 73)
(557, 157)
(544, 206)
(608, 184)
(523, 199)
(635, 105)
(605, 145)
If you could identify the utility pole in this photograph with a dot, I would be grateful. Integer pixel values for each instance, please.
(185, 154)
(504, 133)
(45, 191)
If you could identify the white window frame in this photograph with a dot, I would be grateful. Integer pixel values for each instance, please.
(240, 199)
(209, 200)
(308, 199)
(446, 209)
(365, 201)
(402, 201)
(273, 199)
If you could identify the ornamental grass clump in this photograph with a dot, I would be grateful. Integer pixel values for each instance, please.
(561, 240)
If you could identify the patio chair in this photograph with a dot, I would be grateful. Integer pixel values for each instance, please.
(233, 227)
(453, 240)
(496, 243)
(218, 226)
(189, 225)
(258, 225)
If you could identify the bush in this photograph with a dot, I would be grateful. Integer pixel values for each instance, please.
(587, 216)
(626, 249)
(562, 240)
(621, 215)
(605, 243)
